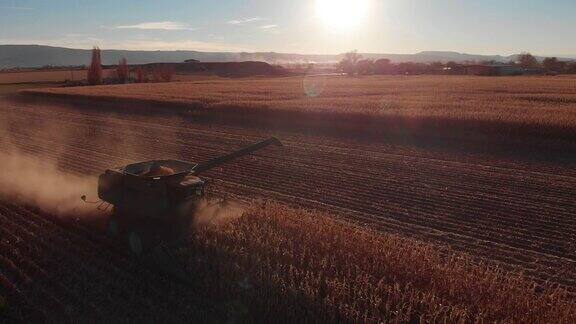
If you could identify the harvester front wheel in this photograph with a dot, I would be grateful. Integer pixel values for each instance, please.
(139, 244)
(135, 243)
(112, 228)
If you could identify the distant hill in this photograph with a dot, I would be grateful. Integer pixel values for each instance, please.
(228, 69)
(40, 55)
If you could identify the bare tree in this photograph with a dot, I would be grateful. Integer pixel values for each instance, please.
(349, 63)
(166, 73)
(383, 66)
(156, 73)
(141, 75)
(527, 60)
(122, 71)
(162, 72)
(365, 66)
(554, 65)
(571, 67)
(95, 69)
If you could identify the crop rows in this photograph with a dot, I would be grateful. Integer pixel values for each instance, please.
(130, 125)
(521, 229)
(519, 215)
(59, 276)
(67, 276)
(539, 101)
(483, 177)
(309, 266)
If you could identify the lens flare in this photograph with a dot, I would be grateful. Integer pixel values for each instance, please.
(314, 85)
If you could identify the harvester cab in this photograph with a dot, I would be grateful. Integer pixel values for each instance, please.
(155, 200)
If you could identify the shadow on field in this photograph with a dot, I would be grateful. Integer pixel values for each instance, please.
(67, 271)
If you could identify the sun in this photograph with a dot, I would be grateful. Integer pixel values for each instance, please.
(342, 15)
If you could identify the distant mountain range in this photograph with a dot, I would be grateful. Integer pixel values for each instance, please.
(39, 55)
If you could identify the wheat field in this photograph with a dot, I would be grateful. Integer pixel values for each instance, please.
(530, 100)
(450, 212)
(282, 264)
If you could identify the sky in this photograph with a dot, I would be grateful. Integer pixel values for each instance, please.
(542, 27)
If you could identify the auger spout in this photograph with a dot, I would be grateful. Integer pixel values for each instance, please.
(234, 155)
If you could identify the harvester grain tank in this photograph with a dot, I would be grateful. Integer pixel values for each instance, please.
(154, 200)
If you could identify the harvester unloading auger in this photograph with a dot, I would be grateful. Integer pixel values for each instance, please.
(155, 200)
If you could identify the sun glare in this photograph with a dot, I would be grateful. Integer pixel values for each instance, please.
(342, 15)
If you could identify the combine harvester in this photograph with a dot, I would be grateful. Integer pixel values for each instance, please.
(154, 201)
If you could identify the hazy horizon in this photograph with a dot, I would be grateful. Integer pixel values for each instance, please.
(299, 26)
(297, 53)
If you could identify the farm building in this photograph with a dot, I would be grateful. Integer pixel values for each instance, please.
(485, 69)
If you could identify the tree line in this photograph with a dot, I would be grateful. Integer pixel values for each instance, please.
(353, 64)
(123, 73)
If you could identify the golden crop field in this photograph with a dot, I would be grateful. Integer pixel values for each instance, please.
(308, 161)
(307, 266)
(528, 100)
(406, 233)
(273, 264)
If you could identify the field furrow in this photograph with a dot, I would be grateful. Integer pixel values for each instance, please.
(74, 278)
(413, 204)
(514, 211)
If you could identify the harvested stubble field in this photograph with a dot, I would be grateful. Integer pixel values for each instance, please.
(515, 213)
(536, 106)
(274, 264)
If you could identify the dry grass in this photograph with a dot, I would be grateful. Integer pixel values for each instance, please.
(74, 75)
(281, 265)
(9, 89)
(46, 76)
(533, 100)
